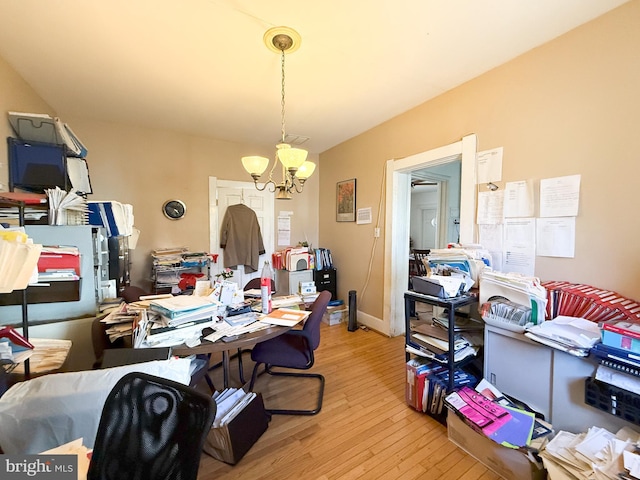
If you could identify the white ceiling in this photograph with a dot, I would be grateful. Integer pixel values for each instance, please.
(200, 66)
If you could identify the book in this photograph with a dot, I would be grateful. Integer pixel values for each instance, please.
(286, 317)
(629, 329)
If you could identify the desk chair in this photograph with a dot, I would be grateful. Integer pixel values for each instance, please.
(151, 428)
(294, 349)
(419, 257)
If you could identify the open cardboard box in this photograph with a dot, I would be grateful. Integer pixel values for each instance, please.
(507, 462)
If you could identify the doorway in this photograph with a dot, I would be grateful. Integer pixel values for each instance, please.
(224, 193)
(397, 221)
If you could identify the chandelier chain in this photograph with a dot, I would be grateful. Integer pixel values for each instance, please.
(282, 96)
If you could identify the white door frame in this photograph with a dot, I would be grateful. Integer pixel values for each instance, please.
(398, 203)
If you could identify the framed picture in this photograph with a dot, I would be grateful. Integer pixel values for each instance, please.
(346, 201)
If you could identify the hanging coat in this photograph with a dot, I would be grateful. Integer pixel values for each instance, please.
(241, 238)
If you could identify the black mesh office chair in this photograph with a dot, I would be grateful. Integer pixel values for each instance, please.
(151, 428)
(294, 349)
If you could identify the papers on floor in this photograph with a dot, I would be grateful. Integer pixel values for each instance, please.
(569, 334)
(229, 403)
(597, 453)
(285, 317)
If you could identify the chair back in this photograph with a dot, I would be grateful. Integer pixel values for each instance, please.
(255, 283)
(312, 325)
(419, 256)
(151, 428)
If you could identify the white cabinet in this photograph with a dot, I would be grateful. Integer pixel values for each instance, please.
(548, 380)
(288, 283)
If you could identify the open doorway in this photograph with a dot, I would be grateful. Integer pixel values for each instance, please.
(435, 206)
(397, 220)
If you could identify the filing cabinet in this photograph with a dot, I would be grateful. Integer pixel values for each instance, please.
(326, 280)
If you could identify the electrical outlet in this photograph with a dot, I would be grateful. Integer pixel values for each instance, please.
(376, 232)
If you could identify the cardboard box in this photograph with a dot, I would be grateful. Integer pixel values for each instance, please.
(335, 315)
(510, 464)
(230, 442)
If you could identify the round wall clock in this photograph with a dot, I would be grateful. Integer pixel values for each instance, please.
(174, 209)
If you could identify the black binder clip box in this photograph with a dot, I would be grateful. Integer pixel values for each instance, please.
(229, 443)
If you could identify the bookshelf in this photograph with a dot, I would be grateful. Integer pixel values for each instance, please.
(452, 307)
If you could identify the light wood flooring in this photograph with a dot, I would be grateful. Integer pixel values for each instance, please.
(365, 429)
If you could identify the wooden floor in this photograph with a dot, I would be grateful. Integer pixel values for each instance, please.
(365, 429)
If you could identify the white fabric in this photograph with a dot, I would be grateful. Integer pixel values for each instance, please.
(48, 411)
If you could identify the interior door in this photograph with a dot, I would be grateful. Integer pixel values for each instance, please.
(224, 193)
(429, 228)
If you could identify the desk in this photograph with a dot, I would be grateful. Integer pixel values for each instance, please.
(244, 340)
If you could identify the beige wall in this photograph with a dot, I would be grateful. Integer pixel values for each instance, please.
(146, 167)
(568, 107)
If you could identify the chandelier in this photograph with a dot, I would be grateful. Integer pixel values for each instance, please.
(295, 167)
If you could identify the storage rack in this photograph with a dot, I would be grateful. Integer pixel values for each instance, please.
(452, 305)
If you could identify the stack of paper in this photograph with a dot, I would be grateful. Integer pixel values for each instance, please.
(66, 208)
(597, 453)
(229, 403)
(186, 308)
(572, 335)
(18, 260)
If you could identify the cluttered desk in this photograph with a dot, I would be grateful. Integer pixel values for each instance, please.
(194, 324)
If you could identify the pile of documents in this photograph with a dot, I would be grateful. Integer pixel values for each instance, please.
(516, 288)
(468, 261)
(430, 339)
(569, 334)
(18, 259)
(597, 454)
(67, 208)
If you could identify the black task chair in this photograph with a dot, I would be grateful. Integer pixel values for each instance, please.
(294, 349)
(151, 428)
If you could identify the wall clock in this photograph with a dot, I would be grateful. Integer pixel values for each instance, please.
(174, 209)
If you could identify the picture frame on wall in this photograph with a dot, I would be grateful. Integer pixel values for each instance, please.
(346, 201)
